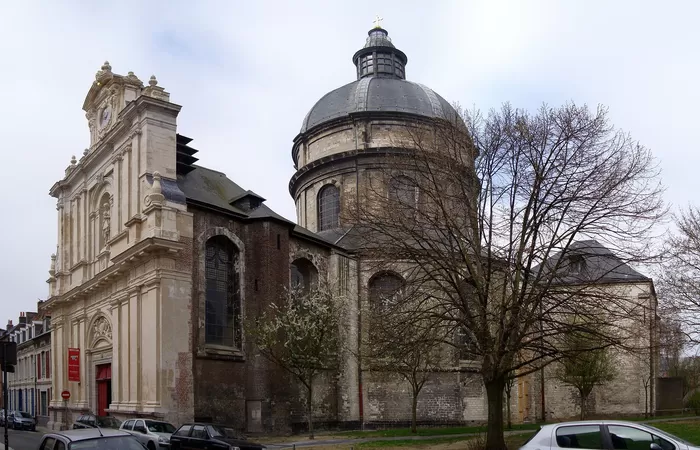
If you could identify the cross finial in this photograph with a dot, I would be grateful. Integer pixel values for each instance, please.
(377, 21)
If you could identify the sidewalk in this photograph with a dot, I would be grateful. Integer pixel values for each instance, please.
(350, 441)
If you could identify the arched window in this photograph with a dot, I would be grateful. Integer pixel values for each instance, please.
(384, 289)
(303, 275)
(403, 191)
(223, 297)
(328, 208)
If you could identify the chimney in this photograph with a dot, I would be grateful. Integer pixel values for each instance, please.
(9, 324)
(22, 318)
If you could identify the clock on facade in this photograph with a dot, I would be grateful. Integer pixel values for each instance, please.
(105, 115)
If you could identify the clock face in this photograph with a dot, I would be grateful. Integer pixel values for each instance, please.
(105, 115)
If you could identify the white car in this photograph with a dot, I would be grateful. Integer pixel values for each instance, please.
(604, 435)
(153, 434)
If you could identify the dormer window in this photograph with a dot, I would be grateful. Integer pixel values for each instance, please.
(576, 265)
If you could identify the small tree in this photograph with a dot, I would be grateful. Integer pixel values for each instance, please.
(397, 343)
(586, 365)
(301, 335)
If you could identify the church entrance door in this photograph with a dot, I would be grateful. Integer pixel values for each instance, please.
(103, 378)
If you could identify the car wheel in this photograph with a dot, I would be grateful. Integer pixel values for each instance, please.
(151, 445)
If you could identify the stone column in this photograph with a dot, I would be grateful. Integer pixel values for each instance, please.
(124, 350)
(150, 344)
(57, 358)
(115, 307)
(86, 232)
(134, 347)
(92, 253)
(81, 343)
(119, 193)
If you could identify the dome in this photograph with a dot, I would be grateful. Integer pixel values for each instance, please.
(374, 94)
(381, 87)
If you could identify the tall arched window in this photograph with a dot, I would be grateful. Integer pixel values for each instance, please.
(384, 289)
(403, 191)
(223, 297)
(328, 208)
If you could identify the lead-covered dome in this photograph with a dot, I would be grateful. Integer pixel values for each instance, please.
(381, 86)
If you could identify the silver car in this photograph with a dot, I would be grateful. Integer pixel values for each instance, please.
(604, 434)
(153, 434)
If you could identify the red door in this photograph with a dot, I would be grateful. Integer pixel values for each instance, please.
(101, 398)
(104, 388)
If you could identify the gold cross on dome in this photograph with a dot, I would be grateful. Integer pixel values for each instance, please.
(377, 20)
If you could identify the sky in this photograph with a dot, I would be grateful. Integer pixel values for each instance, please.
(246, 74)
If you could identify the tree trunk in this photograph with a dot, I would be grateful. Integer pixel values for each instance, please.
(310, 410)
(414, 408)
(494, 431)
(583, 406)
(510, 425)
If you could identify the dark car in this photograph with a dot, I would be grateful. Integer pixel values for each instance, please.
(93, 421)
(207, 435)
(20, 420)
(90, 438)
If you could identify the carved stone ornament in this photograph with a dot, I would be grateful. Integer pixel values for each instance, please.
(106, 222)
(102, 329)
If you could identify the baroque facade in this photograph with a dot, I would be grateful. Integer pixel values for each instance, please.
(160, 261)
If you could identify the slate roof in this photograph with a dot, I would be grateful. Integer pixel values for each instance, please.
(213, 189)
(600, 265)
(376, 94)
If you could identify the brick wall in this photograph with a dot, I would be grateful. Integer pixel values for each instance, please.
(223, 384)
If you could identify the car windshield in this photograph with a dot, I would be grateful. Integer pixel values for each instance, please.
(24, 414)
(225, 432)
(108, 422)
(107, 443)
(666, 434)
(159, 427)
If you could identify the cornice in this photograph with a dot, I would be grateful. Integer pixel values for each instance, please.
(121, 263)
(346, 156)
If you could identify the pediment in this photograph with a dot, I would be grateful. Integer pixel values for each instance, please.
(108, 83)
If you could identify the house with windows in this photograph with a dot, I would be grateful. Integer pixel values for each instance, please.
(29, 386)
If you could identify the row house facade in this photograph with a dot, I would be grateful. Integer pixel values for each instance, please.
(29, 386)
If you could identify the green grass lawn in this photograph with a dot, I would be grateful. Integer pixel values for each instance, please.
(690, 430)
(437, 431)
(445, 431)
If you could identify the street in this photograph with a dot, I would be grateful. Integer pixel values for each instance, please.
(22, 440)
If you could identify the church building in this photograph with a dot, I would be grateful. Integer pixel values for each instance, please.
(160, 260)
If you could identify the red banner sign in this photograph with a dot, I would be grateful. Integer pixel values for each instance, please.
(73, 364)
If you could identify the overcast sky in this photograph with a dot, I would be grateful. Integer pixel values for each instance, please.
(246, 73)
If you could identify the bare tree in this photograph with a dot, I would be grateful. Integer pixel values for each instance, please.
(398, 343)
(680, 276)
(302, 336)
(487, 211)
(585, 369)
(671, 342)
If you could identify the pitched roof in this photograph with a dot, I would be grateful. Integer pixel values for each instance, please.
(211, 188)
(591, 262)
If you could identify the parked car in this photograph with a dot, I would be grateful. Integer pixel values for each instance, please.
(89, 438)
(605, 434)
(20, 420)
(94, 421)
(151, 433)
(207, 435)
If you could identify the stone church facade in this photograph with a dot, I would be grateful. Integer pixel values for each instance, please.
(160, 261)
